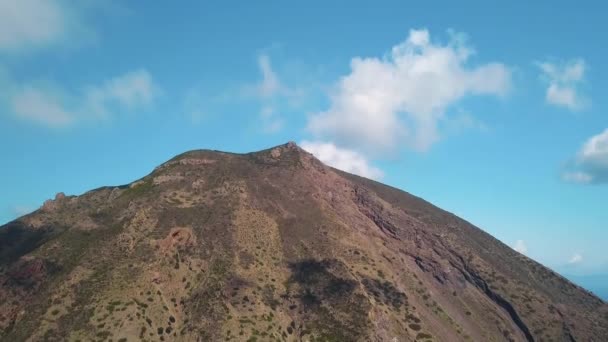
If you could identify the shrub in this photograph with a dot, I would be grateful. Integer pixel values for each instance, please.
(423, 335)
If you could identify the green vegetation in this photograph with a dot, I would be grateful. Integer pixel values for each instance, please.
(142, 188)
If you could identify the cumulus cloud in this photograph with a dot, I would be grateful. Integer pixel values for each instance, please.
(575, 259)
(342, 159)
(563, 80)
(55, 107)
(401, 97)
(591, 163)
(520, 246)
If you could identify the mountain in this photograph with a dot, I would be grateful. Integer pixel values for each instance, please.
(597, 283)
(273, 245)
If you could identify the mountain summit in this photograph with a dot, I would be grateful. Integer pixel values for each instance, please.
(272, 246)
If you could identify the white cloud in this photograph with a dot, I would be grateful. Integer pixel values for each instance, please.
(131, 90)
(343, 159)
(591, 162)
(31, 22)
(563, 80)
(575, 259)
(402, 96)
(26, 25)
(38, 105)
(56, 107)
(595, 150)
(270, 85)
(520, 246)
(272, 95)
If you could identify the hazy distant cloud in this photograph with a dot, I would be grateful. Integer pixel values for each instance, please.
(31, 24)
(26, 23)
(269, 85)
(131, 90)
(272, 94)
(268, 90)
(401, 97)
(576, 258)
(463, 121)
(577, 177)
(563, 82)
(343, 159)
(590, 166)
(20, 210)
(520, 246)
(53, 106)
(41, 106)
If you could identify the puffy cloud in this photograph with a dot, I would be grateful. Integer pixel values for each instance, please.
(575, 259)
(595, 151)
(401, 97)
(520, 246)
(563, 80)
(52, 106)
(342, 159)
(591, 162)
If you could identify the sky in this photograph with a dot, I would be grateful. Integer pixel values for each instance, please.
(497, 113)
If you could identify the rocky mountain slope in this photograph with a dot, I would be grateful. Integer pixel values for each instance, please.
(272, 246)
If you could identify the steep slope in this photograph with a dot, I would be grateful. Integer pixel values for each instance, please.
(272, 245)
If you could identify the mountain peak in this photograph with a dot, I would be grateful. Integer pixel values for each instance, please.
(289, 147)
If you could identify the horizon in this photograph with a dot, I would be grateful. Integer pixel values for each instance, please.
(482, 110)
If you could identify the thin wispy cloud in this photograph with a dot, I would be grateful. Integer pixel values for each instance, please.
(269, 85)
(27, 23)
(49, 104)
(269, 90)
(39, 105)
(272, 94)
(30, 25)
(134, 89)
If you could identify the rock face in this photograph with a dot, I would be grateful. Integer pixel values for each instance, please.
(269, 246)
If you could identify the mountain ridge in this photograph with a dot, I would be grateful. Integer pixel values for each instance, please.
(238, 243)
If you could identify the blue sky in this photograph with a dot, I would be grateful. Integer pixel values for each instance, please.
(494, 112)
